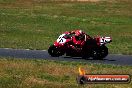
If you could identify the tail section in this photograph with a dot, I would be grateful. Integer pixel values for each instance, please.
(103, 40)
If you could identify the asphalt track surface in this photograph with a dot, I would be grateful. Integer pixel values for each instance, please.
(43, 54)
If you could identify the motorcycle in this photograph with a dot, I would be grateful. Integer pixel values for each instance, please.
(92, 47)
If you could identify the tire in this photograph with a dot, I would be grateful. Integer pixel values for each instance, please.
(104, 51)
(96, 54)
(100, 53)
(54, 52)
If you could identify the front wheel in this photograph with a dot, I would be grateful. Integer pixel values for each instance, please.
(54, 51)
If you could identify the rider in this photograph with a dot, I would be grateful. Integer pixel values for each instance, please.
(79, 38)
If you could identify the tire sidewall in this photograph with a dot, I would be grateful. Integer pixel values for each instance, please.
(100, 52)
(53, 51)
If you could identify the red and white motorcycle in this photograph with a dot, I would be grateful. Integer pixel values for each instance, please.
(93, 47)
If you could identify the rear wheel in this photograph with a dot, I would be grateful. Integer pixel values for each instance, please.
(54, 51)
(96, 54)
(100, 52)
(103, 51)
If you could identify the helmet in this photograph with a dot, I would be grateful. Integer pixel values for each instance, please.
(78, 32)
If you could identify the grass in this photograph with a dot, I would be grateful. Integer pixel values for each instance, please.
(35, 24)
(23, 73)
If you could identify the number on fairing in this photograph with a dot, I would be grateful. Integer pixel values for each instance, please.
(61, 39)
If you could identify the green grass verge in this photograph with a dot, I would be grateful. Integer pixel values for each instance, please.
(23, 73)
(35, 24)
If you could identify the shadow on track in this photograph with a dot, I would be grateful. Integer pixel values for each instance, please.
(89, 59)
